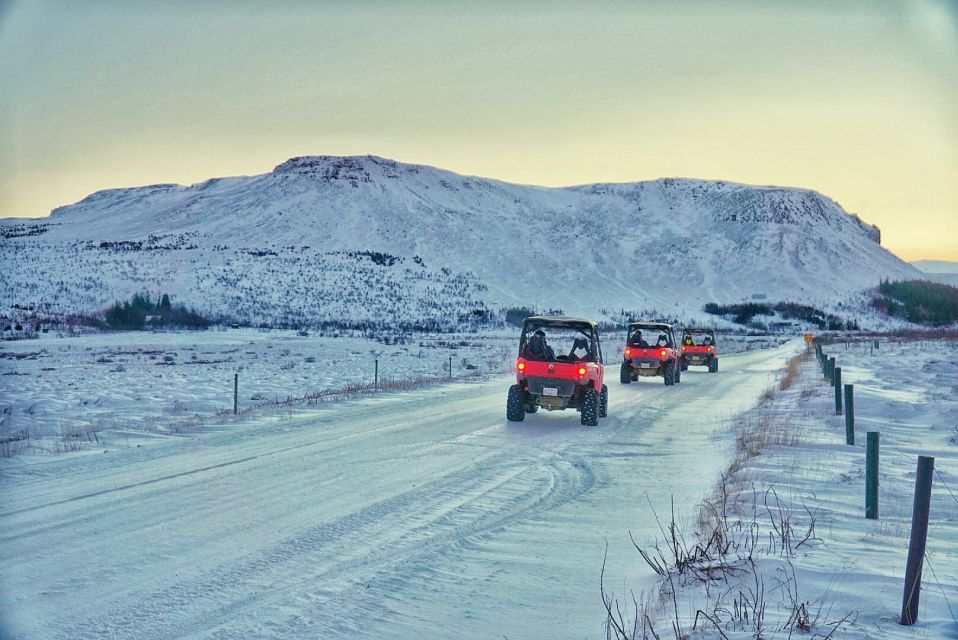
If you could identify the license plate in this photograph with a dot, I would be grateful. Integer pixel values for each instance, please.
(550, 391)
(647, 365)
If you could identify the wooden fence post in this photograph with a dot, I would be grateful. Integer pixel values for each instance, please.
(837, 380)
(849, 414)
(919, 535)
(871, 475)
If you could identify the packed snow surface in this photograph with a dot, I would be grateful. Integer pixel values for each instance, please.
(400, 515)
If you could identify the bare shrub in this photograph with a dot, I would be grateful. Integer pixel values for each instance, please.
(72, 438)
(724, 555)
(13, 442)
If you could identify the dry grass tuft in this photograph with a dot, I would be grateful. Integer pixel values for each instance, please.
(791, 370)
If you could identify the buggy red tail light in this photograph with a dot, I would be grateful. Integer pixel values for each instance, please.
(662, 353)
(711, 349)
(581, 371)
(628, 352)
(684, 348)
(521, 365)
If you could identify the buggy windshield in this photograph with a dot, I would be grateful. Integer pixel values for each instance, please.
(560, 344)
(698, 337)
(646, 337)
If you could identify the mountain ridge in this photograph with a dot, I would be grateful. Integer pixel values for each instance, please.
(669, 244)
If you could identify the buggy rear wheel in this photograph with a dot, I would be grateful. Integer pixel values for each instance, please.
(669, 374)
(625, 373)
(604, 402)
(589, 414)
(515, 411)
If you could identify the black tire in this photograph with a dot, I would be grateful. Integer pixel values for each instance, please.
(604, 402)
(515, 411)
(589, 414)
(669, 374)
(625, 373)
(685, 364)
(713, 366)
(678, 375)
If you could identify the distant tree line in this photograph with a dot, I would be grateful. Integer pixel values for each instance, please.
(141, 311)
(378, 257)
(23, 230)
(918, 301)
(744, 312)
(517, 315)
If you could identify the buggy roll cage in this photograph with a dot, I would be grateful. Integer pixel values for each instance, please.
(588, 329)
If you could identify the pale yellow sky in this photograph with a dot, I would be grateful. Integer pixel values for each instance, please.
(858, 100)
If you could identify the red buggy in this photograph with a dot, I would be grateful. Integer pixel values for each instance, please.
(559, 380)
(650, 350)
(699, 349)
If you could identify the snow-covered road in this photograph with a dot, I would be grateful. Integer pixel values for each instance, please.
(414, 515)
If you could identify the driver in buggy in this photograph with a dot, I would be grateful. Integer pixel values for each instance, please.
(538, 349)
(638, 341)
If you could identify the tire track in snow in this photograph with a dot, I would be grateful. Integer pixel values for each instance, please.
(328, 439)
(431, 520)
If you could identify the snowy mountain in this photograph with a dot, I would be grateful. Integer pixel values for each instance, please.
(938, 270)
(368, 239)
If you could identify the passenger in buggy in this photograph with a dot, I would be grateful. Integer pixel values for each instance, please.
(579, 344)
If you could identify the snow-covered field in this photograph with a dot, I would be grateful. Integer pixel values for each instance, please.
(173, 381)
(402, 515)
(833, 569)
(68, 393)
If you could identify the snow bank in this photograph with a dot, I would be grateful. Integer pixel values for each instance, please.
(794, 552)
